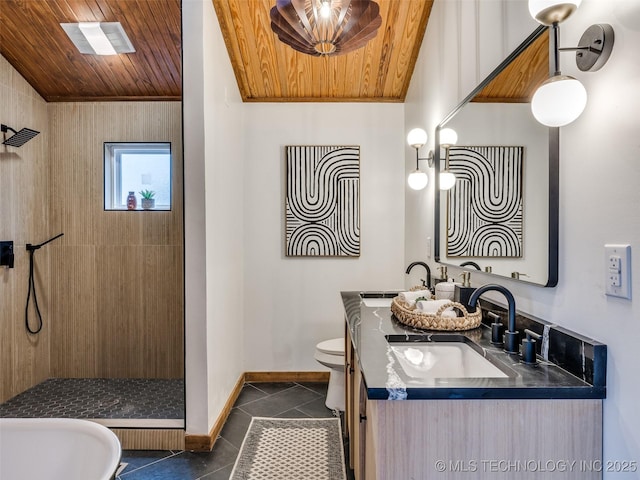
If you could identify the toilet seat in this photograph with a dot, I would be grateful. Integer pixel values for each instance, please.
(330, 361)
(335, 346)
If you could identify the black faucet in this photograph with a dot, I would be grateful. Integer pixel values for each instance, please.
(471, 264)
(511, 336)
(426, 267)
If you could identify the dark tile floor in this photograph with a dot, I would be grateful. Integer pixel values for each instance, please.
(288, 400)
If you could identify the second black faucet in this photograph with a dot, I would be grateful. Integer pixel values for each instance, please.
(511, 336)
(426, 267)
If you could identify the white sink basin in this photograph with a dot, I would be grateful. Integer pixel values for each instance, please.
(377, 302)
(444, 360)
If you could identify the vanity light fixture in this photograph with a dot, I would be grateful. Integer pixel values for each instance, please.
(98, 38)
(448, 138)
(418, 179)
(561, 98)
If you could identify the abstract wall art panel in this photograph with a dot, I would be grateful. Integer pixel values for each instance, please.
(484, 208)
(322, 204)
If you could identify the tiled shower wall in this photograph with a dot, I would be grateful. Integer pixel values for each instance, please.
(111, 289)
(24, 218)
(116, 276)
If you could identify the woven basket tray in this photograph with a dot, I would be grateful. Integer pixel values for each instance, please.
(428, 321)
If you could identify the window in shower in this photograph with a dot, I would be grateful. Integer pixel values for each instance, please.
(137, 176)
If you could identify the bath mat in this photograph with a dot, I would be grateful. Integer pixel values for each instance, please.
(291, 449)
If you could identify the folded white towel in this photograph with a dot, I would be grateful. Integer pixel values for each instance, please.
(432, 306)
(446, 290)
(410, 297)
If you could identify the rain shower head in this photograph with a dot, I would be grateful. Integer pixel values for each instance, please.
(20, 138)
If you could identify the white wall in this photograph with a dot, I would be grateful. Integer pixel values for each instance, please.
(213, 157)
(224, 169)
(247, 306)
(293, 303)
(599, 197)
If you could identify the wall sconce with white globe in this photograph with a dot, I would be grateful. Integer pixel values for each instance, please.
(448, 138)
(561, 99)
(418, 179)
(417, 138)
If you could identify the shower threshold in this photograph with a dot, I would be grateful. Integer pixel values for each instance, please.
(113, 402)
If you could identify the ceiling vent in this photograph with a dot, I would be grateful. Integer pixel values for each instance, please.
(99, 38)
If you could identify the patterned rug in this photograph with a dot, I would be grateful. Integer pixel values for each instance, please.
(291, 449)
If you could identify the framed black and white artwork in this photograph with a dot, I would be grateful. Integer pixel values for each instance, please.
(485, 206)
(322, 204)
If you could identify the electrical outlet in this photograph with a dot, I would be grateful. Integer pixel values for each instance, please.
(614, 262)
(618, 270)
(614, 279)
(428, 247)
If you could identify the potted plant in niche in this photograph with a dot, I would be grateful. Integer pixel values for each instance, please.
(148, 200)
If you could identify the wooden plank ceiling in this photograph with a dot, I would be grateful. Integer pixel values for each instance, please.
(267, 70)
(34, 43)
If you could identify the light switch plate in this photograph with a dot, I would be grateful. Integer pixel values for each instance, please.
(618, 270)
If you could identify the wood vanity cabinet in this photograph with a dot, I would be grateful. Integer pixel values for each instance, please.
(443, 439)
(349, 356)
(356, 412)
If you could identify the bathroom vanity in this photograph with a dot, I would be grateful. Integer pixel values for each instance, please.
(474, 411)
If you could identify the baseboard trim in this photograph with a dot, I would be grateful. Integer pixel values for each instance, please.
(204, 443)
(286, 377)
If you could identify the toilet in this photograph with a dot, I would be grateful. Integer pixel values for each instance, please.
(330, 353)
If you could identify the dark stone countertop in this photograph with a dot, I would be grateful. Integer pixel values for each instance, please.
(385, 379)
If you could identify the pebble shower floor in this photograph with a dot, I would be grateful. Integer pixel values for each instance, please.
(109, 399)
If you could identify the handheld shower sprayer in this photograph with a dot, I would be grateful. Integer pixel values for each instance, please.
(32, 286)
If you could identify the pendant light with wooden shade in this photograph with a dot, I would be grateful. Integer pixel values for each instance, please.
(325, 27)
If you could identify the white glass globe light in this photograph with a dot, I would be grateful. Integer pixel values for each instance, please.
(548, 12)
(418, 180)
(447, 180)
(559, 101)
(417, 138)
(448, 137)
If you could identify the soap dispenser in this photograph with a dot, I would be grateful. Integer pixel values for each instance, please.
(464, 291)
(443, 275)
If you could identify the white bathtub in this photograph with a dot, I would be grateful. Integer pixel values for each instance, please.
(56, 449)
